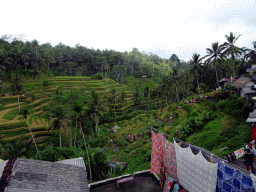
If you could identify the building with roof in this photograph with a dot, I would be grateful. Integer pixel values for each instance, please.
(36, 176)
(69, 175)
(243, 85)
(252, 69)
(252, 117)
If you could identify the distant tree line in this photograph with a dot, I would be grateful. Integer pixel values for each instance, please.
(63, 60)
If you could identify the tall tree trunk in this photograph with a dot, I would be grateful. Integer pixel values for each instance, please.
(233, 67)
(115, 110)
(198, 86)
(216, 74)
(19, 102)
(166, 102)
(87, 156)
(70, 134)
(177, 95)
(60, 139)
(32, 135)
(123, 108)
(75, 133)
(96, 121)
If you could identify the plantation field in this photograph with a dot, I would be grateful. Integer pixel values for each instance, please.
(207, 133)
(9, 106)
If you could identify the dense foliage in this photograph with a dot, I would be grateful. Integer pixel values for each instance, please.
(82, 120)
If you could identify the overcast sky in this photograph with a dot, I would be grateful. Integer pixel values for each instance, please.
(161, 27)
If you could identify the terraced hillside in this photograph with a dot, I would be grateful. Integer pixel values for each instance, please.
(207, 132)
(12, 125)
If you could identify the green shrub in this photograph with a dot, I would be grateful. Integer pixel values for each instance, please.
(97, 76)
(234, 106)
(45, 83)
(188, 108)
(227, 125)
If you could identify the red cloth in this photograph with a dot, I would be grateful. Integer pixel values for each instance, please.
(156, 152)
(253, 135)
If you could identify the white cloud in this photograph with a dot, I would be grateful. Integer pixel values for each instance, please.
(180, 27)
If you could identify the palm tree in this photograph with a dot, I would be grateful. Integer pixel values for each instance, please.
(164, 89)
(196, 67)
(16, 86)
(175, 79)
(58, 120)
(24, 57)
(147, 94)
(136, 97)
(231, 49)
(97, 107)
(122, 99)
(113, 98)
(187, 83)
(78, 111)
(251, 54)
(18, 148)
(214, 55)
(35, 45)
(25, 114)
(153, 94)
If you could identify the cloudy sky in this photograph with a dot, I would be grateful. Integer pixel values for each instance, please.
(163, 27)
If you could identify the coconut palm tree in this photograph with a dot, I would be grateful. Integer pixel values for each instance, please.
(153, 95)
(196, 67)
(58, 118)
(25, 114)
(122, 99)
(251, 54)
(113, 98)
(232, 50)
(16, 86)
(147, 94)
(136, 97)
(107, 67)
(97, 107)
(175, 80)
(187, 83)
(78, 112)
(214, 54)
(17, 148)
(164, 89)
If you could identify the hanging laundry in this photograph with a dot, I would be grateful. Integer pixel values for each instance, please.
(195, 173)
(229, 179)
(162, 176)
(169, 159)
(156, 152)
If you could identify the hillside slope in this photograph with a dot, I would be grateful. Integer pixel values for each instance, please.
(209, 136)
(13, 126)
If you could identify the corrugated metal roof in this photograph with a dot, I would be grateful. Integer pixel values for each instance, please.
(76, 161)
(250, 120)
(253, 114)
